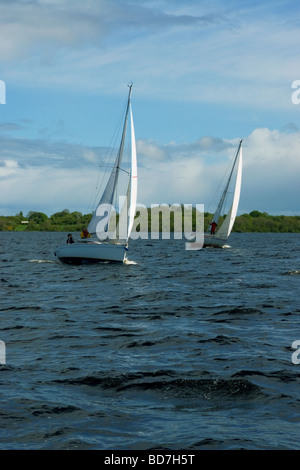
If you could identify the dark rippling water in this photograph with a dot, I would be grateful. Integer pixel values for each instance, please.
(177, 350)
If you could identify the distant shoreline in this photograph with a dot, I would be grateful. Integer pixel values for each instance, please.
(66, 221)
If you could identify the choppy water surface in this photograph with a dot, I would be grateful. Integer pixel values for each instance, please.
(176, 350)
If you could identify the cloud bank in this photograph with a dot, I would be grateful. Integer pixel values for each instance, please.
(50, 177)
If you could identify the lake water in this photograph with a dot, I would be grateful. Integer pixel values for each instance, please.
(175, 350)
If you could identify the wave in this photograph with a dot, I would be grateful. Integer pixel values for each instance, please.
(279, 375)
(240, 310)
(21, 307)
(208, 389)
(42, 261)
(226, 444)
(221, 339)
(48, 410)
(130, 262)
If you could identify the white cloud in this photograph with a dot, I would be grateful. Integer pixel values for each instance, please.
(271, 169)
(8, 168)
(36, 28)
(151, 151)
(46, 190)
(90, 156)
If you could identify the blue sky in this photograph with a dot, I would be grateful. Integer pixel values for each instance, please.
(205, 75)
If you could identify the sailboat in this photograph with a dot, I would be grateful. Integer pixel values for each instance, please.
(110, 229)
(217, 234)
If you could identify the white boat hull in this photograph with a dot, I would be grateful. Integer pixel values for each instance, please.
(214, 241)
(81, 252)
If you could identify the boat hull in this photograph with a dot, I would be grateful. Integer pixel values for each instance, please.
(214, 241)
(92, 252)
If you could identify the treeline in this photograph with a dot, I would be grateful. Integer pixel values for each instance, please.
(262, 222)
(63, 221)
(66, 221)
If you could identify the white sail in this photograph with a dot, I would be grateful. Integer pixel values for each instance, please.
(133, 178)
(223, 231)
(226, 227)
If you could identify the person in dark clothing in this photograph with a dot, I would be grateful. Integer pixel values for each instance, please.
(213, 227)
(70, 239)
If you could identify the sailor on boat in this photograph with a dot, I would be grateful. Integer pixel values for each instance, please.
(70, 239)
(85, 233)
(213, 226)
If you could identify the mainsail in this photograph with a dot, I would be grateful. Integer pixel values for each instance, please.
(130, 192)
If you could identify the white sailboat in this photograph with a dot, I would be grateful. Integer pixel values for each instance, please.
(217, 235)
(110, 243)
